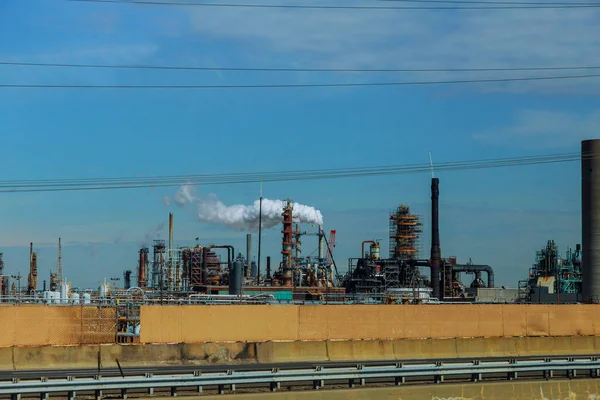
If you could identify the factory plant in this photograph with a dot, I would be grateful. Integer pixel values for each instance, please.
(198, 274)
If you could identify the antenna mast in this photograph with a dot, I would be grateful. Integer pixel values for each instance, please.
(431, 164)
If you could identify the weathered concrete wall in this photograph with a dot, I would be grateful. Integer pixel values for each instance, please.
(39, 325)
(585, 389)
(225, 323)
(135, 355)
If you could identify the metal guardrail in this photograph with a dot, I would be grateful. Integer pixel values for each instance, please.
(318, 376)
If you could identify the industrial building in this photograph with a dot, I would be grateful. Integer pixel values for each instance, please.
(220, 273)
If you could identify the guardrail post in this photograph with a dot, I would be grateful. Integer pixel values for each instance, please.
(199, 387)
(438, 378)
(98, 393)
(319, 383)
(15, 396)
(149, 375)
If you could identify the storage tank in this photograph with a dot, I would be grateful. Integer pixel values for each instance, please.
(375, 254)
(103, 290)
(235, 277)
(56, 297)
(75, 298)
(87, 298)
(64, 293)
(45, 296)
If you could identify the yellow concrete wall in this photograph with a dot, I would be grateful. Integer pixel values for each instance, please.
(39, 325)
(136, 355)
(256, 323)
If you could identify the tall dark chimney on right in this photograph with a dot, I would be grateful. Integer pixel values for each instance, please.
(436, 257)
(590, 219)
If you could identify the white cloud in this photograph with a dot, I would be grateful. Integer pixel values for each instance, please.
(408, 38)
(549, 129)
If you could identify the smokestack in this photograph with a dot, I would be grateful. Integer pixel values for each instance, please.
(321, 245)
(590, 219)
(30, 250)
(436, 256)
(170, 236)
(268, 267)
(248, 254)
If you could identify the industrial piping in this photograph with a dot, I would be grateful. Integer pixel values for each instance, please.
(363, 247)
(590, 219)
(436, 256)
(476, 268)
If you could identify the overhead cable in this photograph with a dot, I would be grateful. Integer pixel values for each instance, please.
(345, 7)
(296, 85)
(276, 69)
(83, 184)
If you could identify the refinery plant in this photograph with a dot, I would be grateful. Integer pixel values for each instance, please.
(220, 273)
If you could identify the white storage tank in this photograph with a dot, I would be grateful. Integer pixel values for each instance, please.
(56, 297)
(45, 296)
(75, 298)
(87, 298)
(64, 293)
(103, 290)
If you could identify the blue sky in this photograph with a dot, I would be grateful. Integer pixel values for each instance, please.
(498, 217)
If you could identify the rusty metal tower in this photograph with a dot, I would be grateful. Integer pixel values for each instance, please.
(404, 234)
(287, 244)
(32, 278)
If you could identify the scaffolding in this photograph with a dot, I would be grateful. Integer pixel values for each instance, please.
(404, 234)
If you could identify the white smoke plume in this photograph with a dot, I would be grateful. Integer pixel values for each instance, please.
(211, 209)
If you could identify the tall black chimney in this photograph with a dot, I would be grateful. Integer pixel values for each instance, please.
(435, 238)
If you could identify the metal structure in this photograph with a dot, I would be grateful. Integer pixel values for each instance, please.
(287, 245)
(553, 278)
(590, 219)
(59, 268)
(126, 279)
(357, 375)
(32, 278)
(400, 272)
(158, 265)
(373, 274)
(142, 269)
(3, 279)
(436, 253)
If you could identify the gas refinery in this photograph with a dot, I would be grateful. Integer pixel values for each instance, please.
(219, 273)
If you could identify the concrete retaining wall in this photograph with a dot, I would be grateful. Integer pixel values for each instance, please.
(227, 323)
(39, 325)
(135, 355)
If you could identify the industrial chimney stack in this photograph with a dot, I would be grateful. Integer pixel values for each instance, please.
(436, 257)
(590, 219)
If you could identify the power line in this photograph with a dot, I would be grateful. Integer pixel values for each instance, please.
(302, 175)
(324, 7)
(274, 69)
(296, 85)
(517, 3)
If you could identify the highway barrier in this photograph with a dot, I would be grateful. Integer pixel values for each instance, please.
(397, 372)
